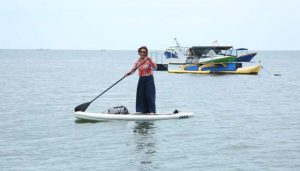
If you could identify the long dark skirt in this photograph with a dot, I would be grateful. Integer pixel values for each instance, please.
(145, 95)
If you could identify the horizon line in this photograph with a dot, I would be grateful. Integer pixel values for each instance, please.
(42, 49)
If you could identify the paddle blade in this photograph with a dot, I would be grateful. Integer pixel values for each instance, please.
(82, 107)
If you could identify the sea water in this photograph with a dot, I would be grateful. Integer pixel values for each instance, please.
(241, 122)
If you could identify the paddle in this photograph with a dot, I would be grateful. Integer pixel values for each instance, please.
(84, 106)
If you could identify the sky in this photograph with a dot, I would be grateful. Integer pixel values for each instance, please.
(129, 24)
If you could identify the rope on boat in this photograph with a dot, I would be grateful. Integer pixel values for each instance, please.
(264, 68)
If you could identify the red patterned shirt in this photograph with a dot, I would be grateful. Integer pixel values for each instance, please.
(145, 69)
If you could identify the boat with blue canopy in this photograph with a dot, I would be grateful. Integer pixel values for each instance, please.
(242, 54)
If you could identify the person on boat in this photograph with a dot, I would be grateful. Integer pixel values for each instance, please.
(145, 95)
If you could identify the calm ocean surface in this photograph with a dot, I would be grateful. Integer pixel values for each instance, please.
(242, 122)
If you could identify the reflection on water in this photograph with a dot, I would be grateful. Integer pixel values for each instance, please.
(82, 121)
(144, 133)
(144, 128)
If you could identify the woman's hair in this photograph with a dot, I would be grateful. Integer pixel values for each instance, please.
(143, 47)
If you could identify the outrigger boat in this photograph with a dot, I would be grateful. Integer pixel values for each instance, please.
(209, 59)
(217, 68)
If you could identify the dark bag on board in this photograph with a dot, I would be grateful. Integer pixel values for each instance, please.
(118, 110)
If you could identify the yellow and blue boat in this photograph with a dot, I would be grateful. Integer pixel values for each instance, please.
(216, 68)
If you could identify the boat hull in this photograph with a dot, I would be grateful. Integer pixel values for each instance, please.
(246, 57)
(242, 70)
(162, 67)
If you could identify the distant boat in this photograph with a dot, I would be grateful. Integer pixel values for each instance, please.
(41, 49)
(176, 51)
(171, 53)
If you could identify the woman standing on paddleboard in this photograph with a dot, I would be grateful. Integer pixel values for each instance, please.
(145, 95)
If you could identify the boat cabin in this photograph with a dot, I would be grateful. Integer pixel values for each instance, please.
(204, 51)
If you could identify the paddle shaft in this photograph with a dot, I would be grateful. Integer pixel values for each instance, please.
(108, 89)
(118, 81)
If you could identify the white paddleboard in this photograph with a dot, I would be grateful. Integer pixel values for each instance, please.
(131, 117)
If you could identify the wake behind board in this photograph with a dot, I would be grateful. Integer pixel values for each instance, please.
(131, 117)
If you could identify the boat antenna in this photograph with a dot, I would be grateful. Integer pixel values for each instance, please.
(177, 44)
(215, 43)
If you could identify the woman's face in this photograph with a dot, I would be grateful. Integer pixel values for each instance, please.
(143, 53)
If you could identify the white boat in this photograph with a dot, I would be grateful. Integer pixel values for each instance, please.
(177, 51)
(131, 117)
